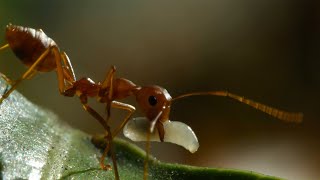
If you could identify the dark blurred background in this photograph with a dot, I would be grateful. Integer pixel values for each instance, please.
(264, 50)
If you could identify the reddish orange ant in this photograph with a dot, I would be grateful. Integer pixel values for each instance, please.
(41, 54)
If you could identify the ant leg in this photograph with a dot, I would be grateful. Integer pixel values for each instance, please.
(27, 74)
(96, 115)
(131, 109)
(32, 74)
(8, 80)
(4, 47)
(123, 106)
(146, 160)
(107, 84)
(93, 113)
(60, 74)
(64, 71)
(68, 70)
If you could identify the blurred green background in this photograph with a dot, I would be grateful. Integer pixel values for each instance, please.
(264, 50)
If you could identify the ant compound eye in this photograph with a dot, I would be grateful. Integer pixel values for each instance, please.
(152, 100)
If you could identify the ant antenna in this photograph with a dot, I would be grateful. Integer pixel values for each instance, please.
(146, 159)
(148, 146)
(153, 122)
(279, 114)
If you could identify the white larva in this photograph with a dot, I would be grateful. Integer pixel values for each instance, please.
(175, 132)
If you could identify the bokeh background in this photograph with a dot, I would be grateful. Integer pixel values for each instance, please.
(264, 50)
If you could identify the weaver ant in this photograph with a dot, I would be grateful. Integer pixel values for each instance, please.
(41, 54)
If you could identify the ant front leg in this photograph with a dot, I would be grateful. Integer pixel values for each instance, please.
(96, 115)
(128, 107)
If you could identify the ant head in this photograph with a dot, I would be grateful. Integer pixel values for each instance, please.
(155, 102)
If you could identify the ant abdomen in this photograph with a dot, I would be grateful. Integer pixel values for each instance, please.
(29, 44)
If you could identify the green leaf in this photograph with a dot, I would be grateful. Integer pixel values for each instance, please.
(35, 144)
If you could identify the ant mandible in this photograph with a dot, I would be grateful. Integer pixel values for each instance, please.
(41, 54)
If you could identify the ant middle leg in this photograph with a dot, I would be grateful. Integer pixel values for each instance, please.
(109, 137)
(107, 87)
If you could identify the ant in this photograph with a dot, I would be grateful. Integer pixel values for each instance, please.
(41, 54)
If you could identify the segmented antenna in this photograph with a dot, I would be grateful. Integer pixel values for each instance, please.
(279, 114)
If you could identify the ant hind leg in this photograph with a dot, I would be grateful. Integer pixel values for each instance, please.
(27, 75)
(67, 69)
(8, 83)
(4, 47)
(8, 80)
